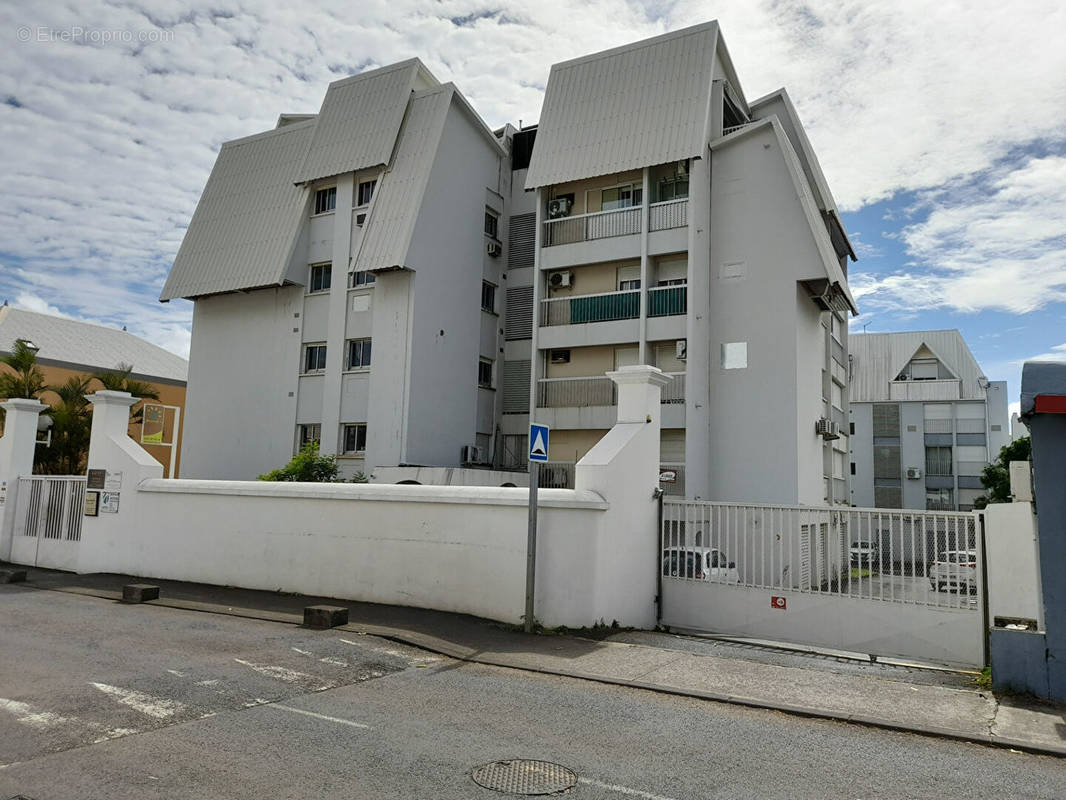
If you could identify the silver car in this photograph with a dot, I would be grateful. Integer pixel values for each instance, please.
(957, 568)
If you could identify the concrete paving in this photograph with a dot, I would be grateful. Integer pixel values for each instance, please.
(933, 702)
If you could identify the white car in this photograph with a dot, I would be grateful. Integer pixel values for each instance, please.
(956, 568)
(699, 563)
(865, 554)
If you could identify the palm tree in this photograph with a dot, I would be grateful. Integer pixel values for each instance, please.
(119, 380)
(25, 379)
(71, 424)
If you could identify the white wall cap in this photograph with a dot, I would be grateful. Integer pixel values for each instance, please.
(640, 374)
(23, 404)
(108, 397)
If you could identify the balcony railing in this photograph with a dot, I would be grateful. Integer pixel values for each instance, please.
(591, 308)
(664, 301)
(587, 227)
(596, 391)
(556, 475)
(668, 214)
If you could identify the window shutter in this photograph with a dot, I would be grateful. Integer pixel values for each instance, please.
(519, 323)
(522, 232)
(516, 387)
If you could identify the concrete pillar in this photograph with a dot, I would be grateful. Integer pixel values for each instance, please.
(16, 458)
(111, 416)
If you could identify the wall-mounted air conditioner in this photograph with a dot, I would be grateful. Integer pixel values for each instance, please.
(472, 454)
(560, 207)
(827, 429)
(681, 349)
(360, 219)
(913, 473)
(494, 249)
(560, 279)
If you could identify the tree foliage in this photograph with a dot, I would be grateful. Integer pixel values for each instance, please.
(306, 466)
(22, 378)
(71, 425)
(996, 476)
(119, 380)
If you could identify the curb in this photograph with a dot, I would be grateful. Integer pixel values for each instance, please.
(445, 648)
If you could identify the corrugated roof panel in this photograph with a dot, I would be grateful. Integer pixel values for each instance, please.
(622, 109)
(399, 200)
(878, 358)
(83, 343)
(358, 122)
(243, 230)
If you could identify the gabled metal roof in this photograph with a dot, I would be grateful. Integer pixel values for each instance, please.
(83, 345)
(359, 120)
(643, 104)
(878, 358)
(399, 198)
(245, 226)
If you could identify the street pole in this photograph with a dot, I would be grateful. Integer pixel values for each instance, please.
(531, 544)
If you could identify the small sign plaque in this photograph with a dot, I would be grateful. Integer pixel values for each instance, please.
(113, 481)
(109, 502)
(92, 504)
(95, 479)
(779, 602)
(668, 476)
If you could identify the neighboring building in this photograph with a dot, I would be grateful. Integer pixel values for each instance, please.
(68, 348)
(680, 225)
(1018, 428)
(653, 216)
(925, 421)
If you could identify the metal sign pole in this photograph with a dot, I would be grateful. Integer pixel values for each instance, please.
(531, 544)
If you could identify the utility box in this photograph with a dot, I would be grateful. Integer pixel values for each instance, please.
(1021, 481)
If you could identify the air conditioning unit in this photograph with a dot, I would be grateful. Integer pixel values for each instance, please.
(827, 429)
(360, 219)
(560, 279)
(559, 207)
(913, 473)
(494, 249)
(472, 454)
(681, 349)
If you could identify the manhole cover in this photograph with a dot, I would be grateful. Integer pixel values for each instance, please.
(524, 776)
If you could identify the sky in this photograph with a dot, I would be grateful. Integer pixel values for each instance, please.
(938, 123)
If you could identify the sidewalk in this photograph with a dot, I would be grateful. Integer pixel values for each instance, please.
(929, 702)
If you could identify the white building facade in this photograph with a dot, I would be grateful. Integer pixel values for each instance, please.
(924, 421)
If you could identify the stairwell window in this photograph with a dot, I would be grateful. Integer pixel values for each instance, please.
(492, 224)
(305, 434)
(358, 354)
(325, 200)
(365, 193)
(314, 358)
(361, 278)
(488, 297)
(484, 373)
(320, 278)
(354, 439)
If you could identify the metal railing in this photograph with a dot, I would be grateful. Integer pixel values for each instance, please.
(668, 214)
(556, 475)
(665, 301)
(588, 227)
(840, 491)
(972, 468)
(912, 557)
(674, 391)
(938, 426)
(732, 128)
(602, 307)
(575, 392)
(51, 507)
(969, 426)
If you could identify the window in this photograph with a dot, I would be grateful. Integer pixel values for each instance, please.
(355, 438)
(358, 354)
(938, 461)
(492, 224)
(484, 373)
(361, 278)
(628, 278)
(314, 358)
(621, 197)
(488, 297)
(320, 279)
(673, 188)
(365, 193)
(325, 200)
(560, 356)
(939, 499)
(308, 433)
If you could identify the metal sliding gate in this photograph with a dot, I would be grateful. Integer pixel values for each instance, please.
(48, 515)
(906, 584)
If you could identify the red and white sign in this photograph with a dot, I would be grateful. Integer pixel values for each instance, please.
(778, 602)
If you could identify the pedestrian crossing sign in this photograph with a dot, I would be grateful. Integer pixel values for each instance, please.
(538, 442)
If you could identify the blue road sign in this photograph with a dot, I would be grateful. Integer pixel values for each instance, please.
(538, 442)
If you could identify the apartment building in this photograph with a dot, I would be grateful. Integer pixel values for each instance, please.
(345, 268)
(393, 279)
(924, 421)
(667, 220)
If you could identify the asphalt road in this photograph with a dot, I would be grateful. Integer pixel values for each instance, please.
(101, 700)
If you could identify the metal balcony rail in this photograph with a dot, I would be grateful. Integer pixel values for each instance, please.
(597, 225)
(674, 391)
(972, 468)
(603, 307)
(908, 557)
(665, 301)
(556, 475)
(575, 392)
(969, 426)
(668, 214)
(938, 426)
(732, 128)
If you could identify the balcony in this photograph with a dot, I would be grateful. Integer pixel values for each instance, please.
(924, 390)
(597, 391)
(665, 301)
(591, 308)
(616, 222)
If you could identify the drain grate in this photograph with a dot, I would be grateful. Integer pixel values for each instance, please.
(525, 776)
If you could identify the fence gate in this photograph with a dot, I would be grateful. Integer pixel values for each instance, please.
(48, 515)
(907, 584)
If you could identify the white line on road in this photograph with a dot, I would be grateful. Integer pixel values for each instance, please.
(175, 672)
(338, 720)
(158, 707)
(281, 673)
(26, 714)
(610, 787)
(335, 661)
(302, 652)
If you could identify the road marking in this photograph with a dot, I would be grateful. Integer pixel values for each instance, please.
(158, 707)
(281, 673)
(302, 652)
(175, 672)
(25, 713)
(207, 683)
(338, 720)
(115, 733)
(610, 787)
(335, 661)
(421, 660)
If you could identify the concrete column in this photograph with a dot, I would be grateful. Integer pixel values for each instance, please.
(645, 284)
(640, 394)
(111, 416)
(701, 350)
(16, 458)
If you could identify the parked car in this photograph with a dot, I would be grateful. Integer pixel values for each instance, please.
(865, 553)
(956, 568)
(699, 563)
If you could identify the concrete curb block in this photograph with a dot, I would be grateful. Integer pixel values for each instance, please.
(442, 647)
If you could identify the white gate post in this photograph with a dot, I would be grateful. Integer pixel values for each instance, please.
(16, 458)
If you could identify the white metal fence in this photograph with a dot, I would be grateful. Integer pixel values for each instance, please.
(597, 391)
(668, 214)
(598, 225)
(48, 515)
